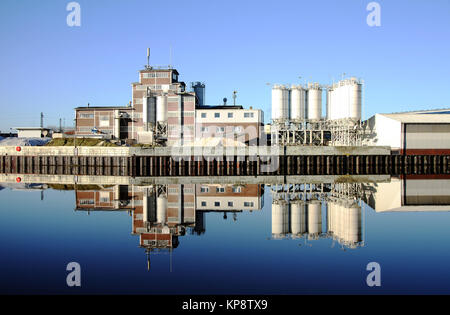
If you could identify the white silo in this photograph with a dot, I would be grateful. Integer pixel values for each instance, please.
(161, 209)
(314, 218)
(277, 101)
(161, 108)
(297, 108)
(314, 103)
(355, 99)
(298, 218)
(280, 219)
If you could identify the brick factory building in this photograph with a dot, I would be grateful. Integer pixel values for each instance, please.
(163, 112)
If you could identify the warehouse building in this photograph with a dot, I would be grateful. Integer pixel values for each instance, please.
(421, 132)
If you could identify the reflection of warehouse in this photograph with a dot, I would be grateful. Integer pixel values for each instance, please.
(411, 193)
(313, 213)
(420, 133)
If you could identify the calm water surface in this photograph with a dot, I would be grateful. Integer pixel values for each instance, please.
(207, 239)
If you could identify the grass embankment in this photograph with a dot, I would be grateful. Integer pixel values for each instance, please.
(80, 142)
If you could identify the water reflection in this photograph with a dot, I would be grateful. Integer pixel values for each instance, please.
(161, 214)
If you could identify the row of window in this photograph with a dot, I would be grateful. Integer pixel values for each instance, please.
(247, 204)
(221, 129)
(230, 115)
(147, 75)
(220, 189)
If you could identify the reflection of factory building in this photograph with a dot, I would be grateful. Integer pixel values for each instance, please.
(300, 211)
(411, 193)
(162, 213)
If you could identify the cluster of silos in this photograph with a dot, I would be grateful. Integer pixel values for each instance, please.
(344, 223)
(344, 100)
(154, 110)
(296, 218)
(296, 103)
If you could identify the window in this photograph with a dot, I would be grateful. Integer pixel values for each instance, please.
(230, 203)
(230, 115)
(203, 203)
(203, 115)
(248, 115)
(220, 129)
(220, 189)
(216, 115)
(204, 189)
(104, 196)
(236, 189)
(86, 115)
(86, 201)
(204, 129)
(237, 129)
(216, 203)
(248, 204)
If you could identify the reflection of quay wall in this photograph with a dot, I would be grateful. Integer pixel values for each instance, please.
(191, 151)
(162, 180)
(412, 193)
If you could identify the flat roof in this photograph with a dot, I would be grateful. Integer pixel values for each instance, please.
(31, 128)
(103, 107)
(220, 107)
(419, 118)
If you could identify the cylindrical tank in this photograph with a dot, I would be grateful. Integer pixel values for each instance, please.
(298, 217)
(314, 104)
(314, 218)
(280, 218)
(353, 224)
(161, 108)
(355, 100)
(297, 110)
(280, 103)
(161, 209)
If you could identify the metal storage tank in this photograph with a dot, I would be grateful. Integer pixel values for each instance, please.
(280, 219)
(297, 109)
(277, 100)
(314, 218)
(314, 102)
(298, 218)
(148, 110)
(161, 108)
(161, 209)
(355, 100)
(199, 89)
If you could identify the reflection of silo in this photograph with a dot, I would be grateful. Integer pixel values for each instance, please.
(298, 219)
(314, 218)
(148, 206)
(161, 209)
(280, 219)
(353, 224)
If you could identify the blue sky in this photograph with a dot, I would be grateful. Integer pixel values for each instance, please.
(243, 45)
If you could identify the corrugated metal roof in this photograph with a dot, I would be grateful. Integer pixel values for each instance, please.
(419, 118)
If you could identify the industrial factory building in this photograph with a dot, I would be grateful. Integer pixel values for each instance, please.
(163, 112)
(416, 133)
